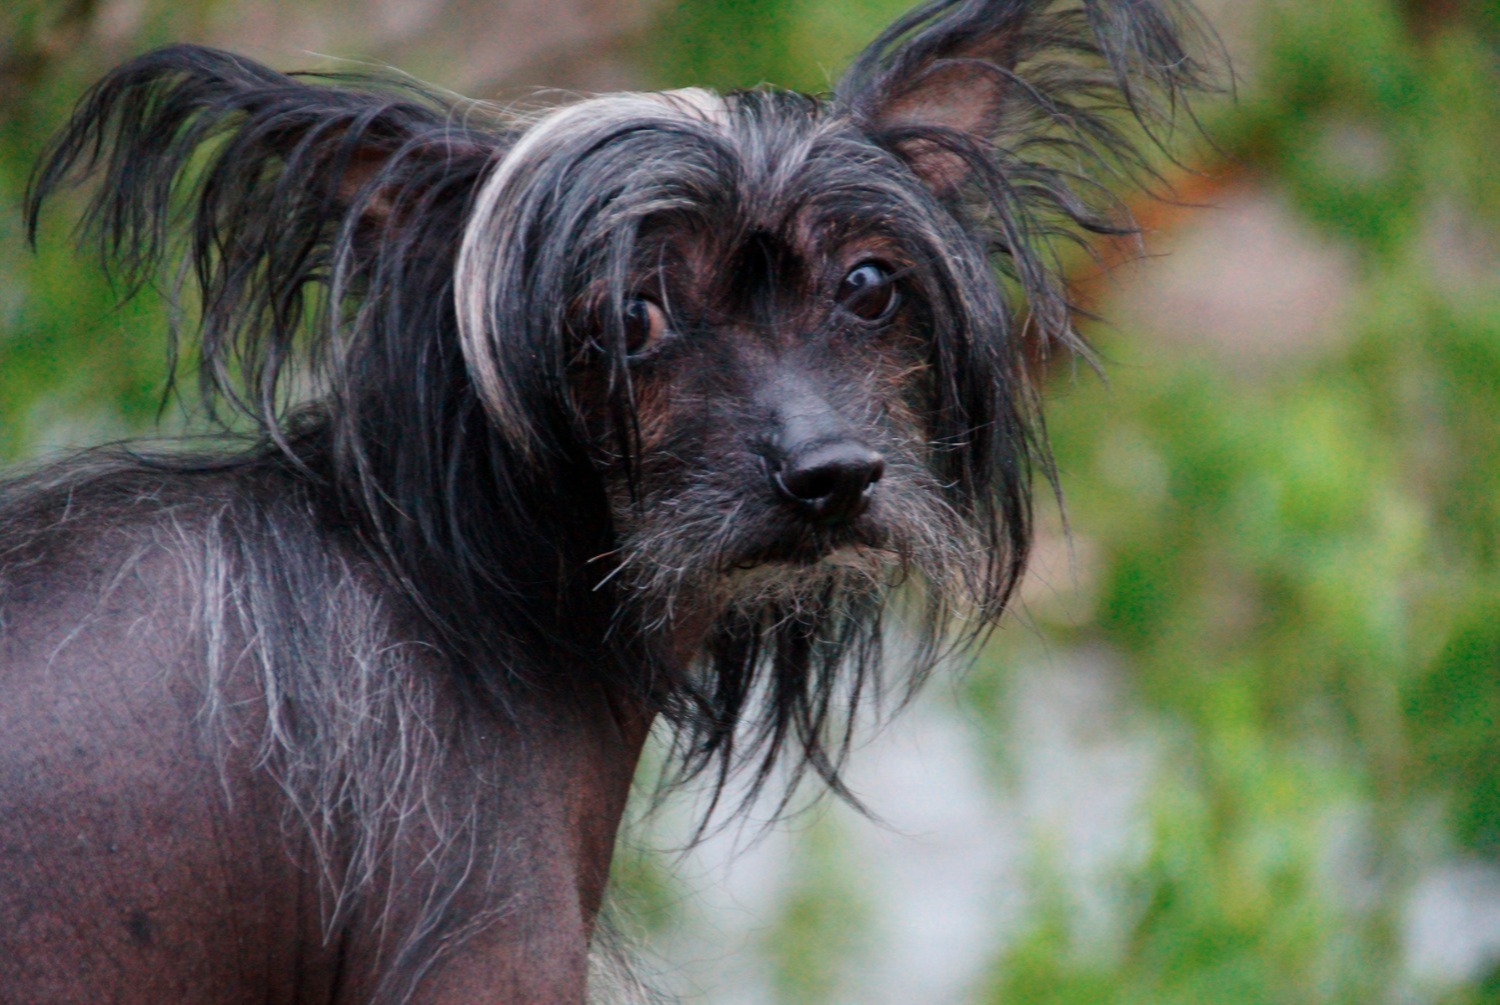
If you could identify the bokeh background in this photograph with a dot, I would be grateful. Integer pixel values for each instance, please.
(1239, 742)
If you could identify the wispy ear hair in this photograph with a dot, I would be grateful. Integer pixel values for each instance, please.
(1015, 105)
(298, 190)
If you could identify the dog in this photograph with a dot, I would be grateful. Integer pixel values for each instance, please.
(538, 432)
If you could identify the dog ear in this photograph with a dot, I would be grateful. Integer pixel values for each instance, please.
(335, 150)
(953, 79)
(294, 194)
(938, 68)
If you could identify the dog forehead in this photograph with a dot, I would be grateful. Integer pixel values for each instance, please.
(759, 152)
(793, 172)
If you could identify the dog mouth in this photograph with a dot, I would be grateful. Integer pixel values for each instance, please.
(812, 546)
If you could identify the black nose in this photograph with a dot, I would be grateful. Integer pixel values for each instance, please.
(830, 480)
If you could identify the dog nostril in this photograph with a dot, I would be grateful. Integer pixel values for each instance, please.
(831, 480)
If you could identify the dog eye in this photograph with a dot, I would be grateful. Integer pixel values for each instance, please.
(867, 292)
(645, 323)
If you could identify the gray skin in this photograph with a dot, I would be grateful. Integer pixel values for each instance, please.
(142, 865)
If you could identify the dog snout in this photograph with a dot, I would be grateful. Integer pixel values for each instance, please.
(829, 480)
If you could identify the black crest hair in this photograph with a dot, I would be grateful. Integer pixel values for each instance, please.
(386, 280)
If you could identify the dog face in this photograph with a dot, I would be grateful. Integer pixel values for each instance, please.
(764, 314)
(688, 382)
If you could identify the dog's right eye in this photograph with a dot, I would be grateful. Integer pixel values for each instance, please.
(868, 292)
(645, 323)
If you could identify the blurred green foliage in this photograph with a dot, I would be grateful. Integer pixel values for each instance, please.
(1299, 570)
(824, 901)
(76, 364)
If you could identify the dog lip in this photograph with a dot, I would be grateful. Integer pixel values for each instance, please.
(807, 548)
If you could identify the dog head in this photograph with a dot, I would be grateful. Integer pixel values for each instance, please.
(787, 358)
(717, 374)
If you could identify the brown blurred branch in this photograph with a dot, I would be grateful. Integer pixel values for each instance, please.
(1426, 17)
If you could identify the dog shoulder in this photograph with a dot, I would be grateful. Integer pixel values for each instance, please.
(106, 768)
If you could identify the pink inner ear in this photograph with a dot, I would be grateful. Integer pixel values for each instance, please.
(964, 90)
(942, 169)
(963, 93)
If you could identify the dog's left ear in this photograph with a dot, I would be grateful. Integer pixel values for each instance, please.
(294, 200)
(954, 78)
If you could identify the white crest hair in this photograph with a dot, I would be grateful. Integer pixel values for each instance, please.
(490, 222)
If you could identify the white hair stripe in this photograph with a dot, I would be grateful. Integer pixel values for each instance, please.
(487, 227)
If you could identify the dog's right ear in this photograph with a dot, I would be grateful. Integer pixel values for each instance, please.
(1042, 110)
(954, 79)
(283, 185)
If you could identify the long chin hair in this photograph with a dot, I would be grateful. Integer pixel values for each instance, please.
(384, 277)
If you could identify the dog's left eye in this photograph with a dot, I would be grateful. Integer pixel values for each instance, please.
(867, 292)
(645, 323)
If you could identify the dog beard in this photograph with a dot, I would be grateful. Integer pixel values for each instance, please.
(717, 552)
